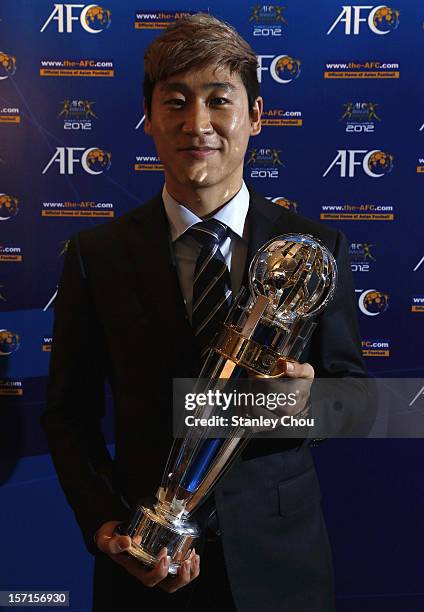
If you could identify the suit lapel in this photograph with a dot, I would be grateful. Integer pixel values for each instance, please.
(149, 245)
(264, 224)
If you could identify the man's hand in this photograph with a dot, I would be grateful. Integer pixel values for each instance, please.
(292, 378)
(116, 545)
(302, 376)
(294, 369)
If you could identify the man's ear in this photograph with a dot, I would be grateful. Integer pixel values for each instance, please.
(255, 117)
(147, 121)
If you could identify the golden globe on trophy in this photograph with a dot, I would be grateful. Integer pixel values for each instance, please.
(291, 280)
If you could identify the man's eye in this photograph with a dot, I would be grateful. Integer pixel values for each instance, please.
(219, 101)
(178, 102)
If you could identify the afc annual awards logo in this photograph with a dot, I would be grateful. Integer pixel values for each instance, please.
(283, 68)
(267, 19)
(7, 65)
(92, 160)
(77, 114)
(361, 256)
(91, 17)
(360, 117)
(372, 302)
(9, 342)
(379, 19)
(375, 163)
(264, 163)
(9, 207)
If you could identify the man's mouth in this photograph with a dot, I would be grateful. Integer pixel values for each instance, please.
(200, 152)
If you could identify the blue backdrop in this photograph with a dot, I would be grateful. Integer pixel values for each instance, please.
(342, 142)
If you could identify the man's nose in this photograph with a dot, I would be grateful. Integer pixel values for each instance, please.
(197, 120)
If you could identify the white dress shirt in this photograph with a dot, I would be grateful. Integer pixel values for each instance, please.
(187, 249)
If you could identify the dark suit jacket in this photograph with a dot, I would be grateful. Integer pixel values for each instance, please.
(120, 315)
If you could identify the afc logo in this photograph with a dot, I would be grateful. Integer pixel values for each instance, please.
(372, 302)
(7, 65)
(93, 18)
(93, 160)
(380, 19)
(283, 68)
(374, 163)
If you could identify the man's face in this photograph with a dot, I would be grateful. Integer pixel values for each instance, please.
(201, 125)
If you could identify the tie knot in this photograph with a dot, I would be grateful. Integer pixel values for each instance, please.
(209, 232)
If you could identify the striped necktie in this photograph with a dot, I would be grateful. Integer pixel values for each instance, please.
(211, 283)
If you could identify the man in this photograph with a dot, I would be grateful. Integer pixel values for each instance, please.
(128, 311)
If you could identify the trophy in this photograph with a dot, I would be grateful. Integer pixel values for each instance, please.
(291, 279)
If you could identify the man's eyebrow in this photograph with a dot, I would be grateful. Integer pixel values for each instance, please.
(220, 85)
(174, 85)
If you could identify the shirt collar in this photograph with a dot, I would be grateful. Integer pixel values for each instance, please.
(233, 214)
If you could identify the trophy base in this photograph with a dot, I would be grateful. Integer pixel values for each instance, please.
(153, 527)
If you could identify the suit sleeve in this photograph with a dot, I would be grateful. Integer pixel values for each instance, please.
(346, 403)
(75, 404)
(336, 343)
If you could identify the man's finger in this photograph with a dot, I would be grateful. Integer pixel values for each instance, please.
(109, 542)
(299, 370)
(182, 579)
(149, 577)
(195, 567)
(113, 545)
(158, 573)
(115, 548)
